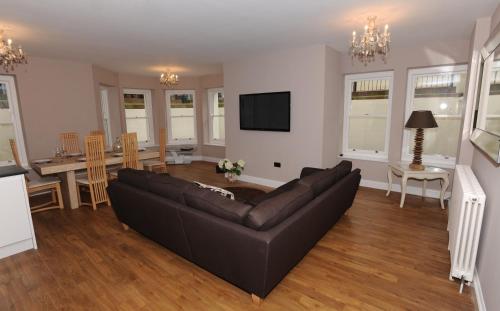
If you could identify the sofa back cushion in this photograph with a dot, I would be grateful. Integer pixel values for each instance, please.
(137, 178)
(265, 196)
(322, 180)
(169, 187)
(217, 205)
(274, 210)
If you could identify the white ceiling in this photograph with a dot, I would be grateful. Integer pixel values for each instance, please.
(195, 37)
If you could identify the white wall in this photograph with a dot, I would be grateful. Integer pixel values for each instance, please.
(300, 71)
(488, 174)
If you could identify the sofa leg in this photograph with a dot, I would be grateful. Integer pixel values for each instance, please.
(256, 299)
(125, 226)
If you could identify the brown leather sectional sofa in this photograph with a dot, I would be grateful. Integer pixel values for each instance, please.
(252, 245)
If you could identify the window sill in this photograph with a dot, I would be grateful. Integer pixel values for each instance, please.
(215, 144)
(180, 143)
(365, 157)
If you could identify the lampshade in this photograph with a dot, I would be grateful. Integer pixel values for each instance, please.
(421, 119)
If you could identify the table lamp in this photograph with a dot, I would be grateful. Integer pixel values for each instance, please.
(420, 120)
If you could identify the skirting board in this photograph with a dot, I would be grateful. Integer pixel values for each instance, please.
(431, 193)
(197, 158)
(262, 181)
(15, 248)
(478, 293)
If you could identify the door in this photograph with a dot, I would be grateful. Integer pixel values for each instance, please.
(10, 122)
(106, 121)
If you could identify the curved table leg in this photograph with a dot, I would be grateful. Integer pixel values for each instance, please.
(445, 185)
(404, 180)
(389, 182)
(424, 188)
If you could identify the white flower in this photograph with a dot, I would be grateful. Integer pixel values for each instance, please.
(228, 165)
(241, 163)
(221, 164)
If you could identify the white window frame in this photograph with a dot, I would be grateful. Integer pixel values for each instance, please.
(149, 114)
(170, 140)
(211, 115)
(406, 153)
(105, 115)
(370, 155)
(16, 120)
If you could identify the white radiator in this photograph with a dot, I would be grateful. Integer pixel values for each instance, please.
(465, 217)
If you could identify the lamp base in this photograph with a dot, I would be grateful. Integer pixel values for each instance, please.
(417, 167)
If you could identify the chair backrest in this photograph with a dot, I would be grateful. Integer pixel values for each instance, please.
(130, 151)
(163, 144)
(96, 167)
(15, 153)
(96, 132)
(70, 142)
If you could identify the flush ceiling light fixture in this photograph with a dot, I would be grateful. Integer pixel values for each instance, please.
(169, 79)
(372, 42)
(9, 56)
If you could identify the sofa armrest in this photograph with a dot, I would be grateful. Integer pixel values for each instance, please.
(292, 239)
(229, 250)
(306, 171)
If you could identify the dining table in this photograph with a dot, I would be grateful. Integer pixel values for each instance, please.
(67, 167)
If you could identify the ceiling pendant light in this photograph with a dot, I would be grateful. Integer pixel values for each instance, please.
(371, 43)
(169, 79)
(9, 56)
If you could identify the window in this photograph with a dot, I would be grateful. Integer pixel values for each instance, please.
(105, 117)
(367, 109)
(441, 90)
(10, 122)
(216, 117)
(181, 117)
(139, 115)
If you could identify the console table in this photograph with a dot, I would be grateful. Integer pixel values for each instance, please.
(429, 173)
(16, 226)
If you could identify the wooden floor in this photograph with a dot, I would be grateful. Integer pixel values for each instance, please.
(378, 257)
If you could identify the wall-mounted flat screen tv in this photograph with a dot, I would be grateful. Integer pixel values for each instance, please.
(265, 112)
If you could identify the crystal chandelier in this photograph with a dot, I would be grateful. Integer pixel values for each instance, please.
(169, 79)
(372, 42)
(10, 57)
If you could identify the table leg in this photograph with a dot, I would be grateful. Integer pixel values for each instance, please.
(443, 191)
(69, 189)
(389, 182)
(404, 180)
(424, 188)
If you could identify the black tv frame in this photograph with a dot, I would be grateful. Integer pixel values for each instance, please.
(264, 129)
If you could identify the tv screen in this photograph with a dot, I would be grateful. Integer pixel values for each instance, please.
(265, 112)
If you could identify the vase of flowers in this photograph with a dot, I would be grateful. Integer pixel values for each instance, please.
(231, 169)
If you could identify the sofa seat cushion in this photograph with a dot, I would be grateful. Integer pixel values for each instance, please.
(169, 187)
(283, 188)
(217, 205)
(274, 210)
(137, 178)
(322, 180)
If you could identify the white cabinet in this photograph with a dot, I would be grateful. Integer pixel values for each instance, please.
(16, 226)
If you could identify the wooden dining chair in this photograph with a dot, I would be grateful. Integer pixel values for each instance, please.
(38, 185)
(96, 181)
(160, 164)
(130, 153)
(70, 142)
(97, 132)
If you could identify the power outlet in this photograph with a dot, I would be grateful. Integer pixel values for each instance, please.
(277, 164)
